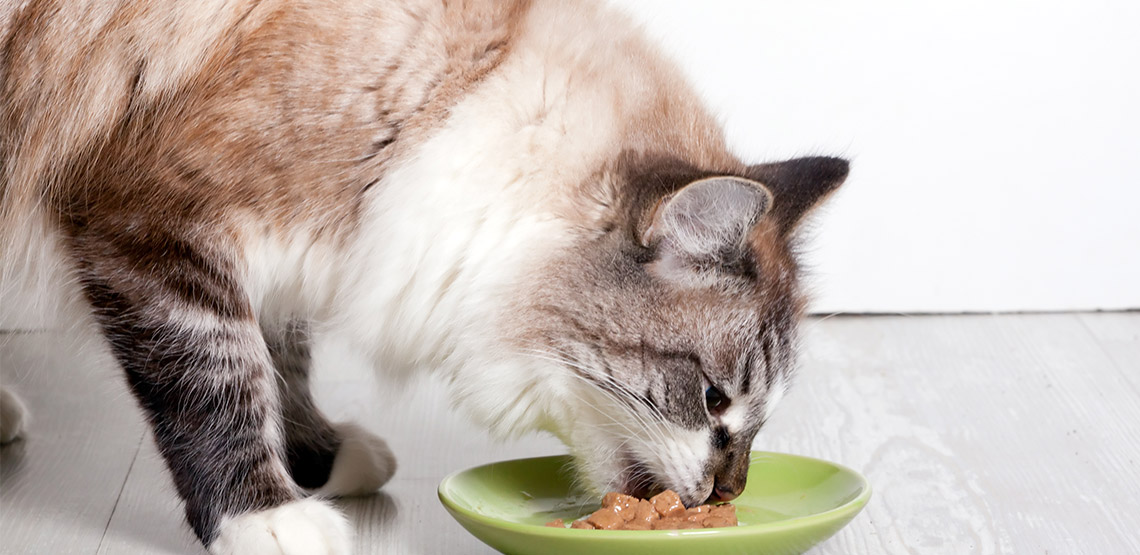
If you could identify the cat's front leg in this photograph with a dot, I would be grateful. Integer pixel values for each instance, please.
(182, 329)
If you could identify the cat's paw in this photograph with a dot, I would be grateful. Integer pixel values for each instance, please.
(362, 464)
(305, 527)
(13, 417)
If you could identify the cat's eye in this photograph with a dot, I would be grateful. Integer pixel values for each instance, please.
(715, 400)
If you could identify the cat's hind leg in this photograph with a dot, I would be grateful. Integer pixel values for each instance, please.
(13, 417)
(332, 460)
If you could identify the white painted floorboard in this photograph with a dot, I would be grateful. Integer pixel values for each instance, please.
(980, 434)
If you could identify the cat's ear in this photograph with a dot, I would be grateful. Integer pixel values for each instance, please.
(799, 185)
(706, 221)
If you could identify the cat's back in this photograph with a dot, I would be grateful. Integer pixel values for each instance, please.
(130, 126)
(130, 120)
(285, 108)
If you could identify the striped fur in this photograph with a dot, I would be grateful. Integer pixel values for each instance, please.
(520, 196)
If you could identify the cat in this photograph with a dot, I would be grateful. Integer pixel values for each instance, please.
(523, 197)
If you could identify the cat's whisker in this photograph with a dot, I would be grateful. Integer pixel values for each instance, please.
(645, 423)
(216, 211)
(633, 396)
(660, 447)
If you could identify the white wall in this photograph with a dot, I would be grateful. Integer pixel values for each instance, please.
(996, 145)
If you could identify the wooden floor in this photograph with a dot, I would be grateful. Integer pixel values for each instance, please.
(980, 434)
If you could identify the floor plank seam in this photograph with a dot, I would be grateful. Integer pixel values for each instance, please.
(1107, 353)
(122, 488)
(1003, 434)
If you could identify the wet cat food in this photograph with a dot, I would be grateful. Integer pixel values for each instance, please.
(663, 511)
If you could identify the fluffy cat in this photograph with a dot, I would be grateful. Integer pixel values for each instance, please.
(522, 197)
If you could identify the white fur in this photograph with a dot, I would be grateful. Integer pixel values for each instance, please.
(13, 417)
(446, 240)
(775, 396)
(362, 465)
(35, 291)
(452, 231)
(305, 527)
(679, 458)
(605, 433)
(734, 418)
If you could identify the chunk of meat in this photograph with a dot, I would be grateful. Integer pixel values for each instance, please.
(697, 514)
(726, 512)
(582, 525)
(668, 504)
(606, 518)
(716, 522)
(674, 523)
(623, 505)
(645, 513)
(664, 511)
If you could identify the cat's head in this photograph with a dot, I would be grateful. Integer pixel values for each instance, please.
(674, 323)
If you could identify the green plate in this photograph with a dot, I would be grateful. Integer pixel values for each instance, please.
(791, 503)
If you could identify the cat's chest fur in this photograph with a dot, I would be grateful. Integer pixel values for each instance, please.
(399, 174)
(454, 220)
(523, 196)
(463, 209)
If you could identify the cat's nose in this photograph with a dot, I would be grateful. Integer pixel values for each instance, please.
(723, 492)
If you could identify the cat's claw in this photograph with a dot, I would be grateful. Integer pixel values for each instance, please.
(13, 417)
(362, 465)
(305, 527)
